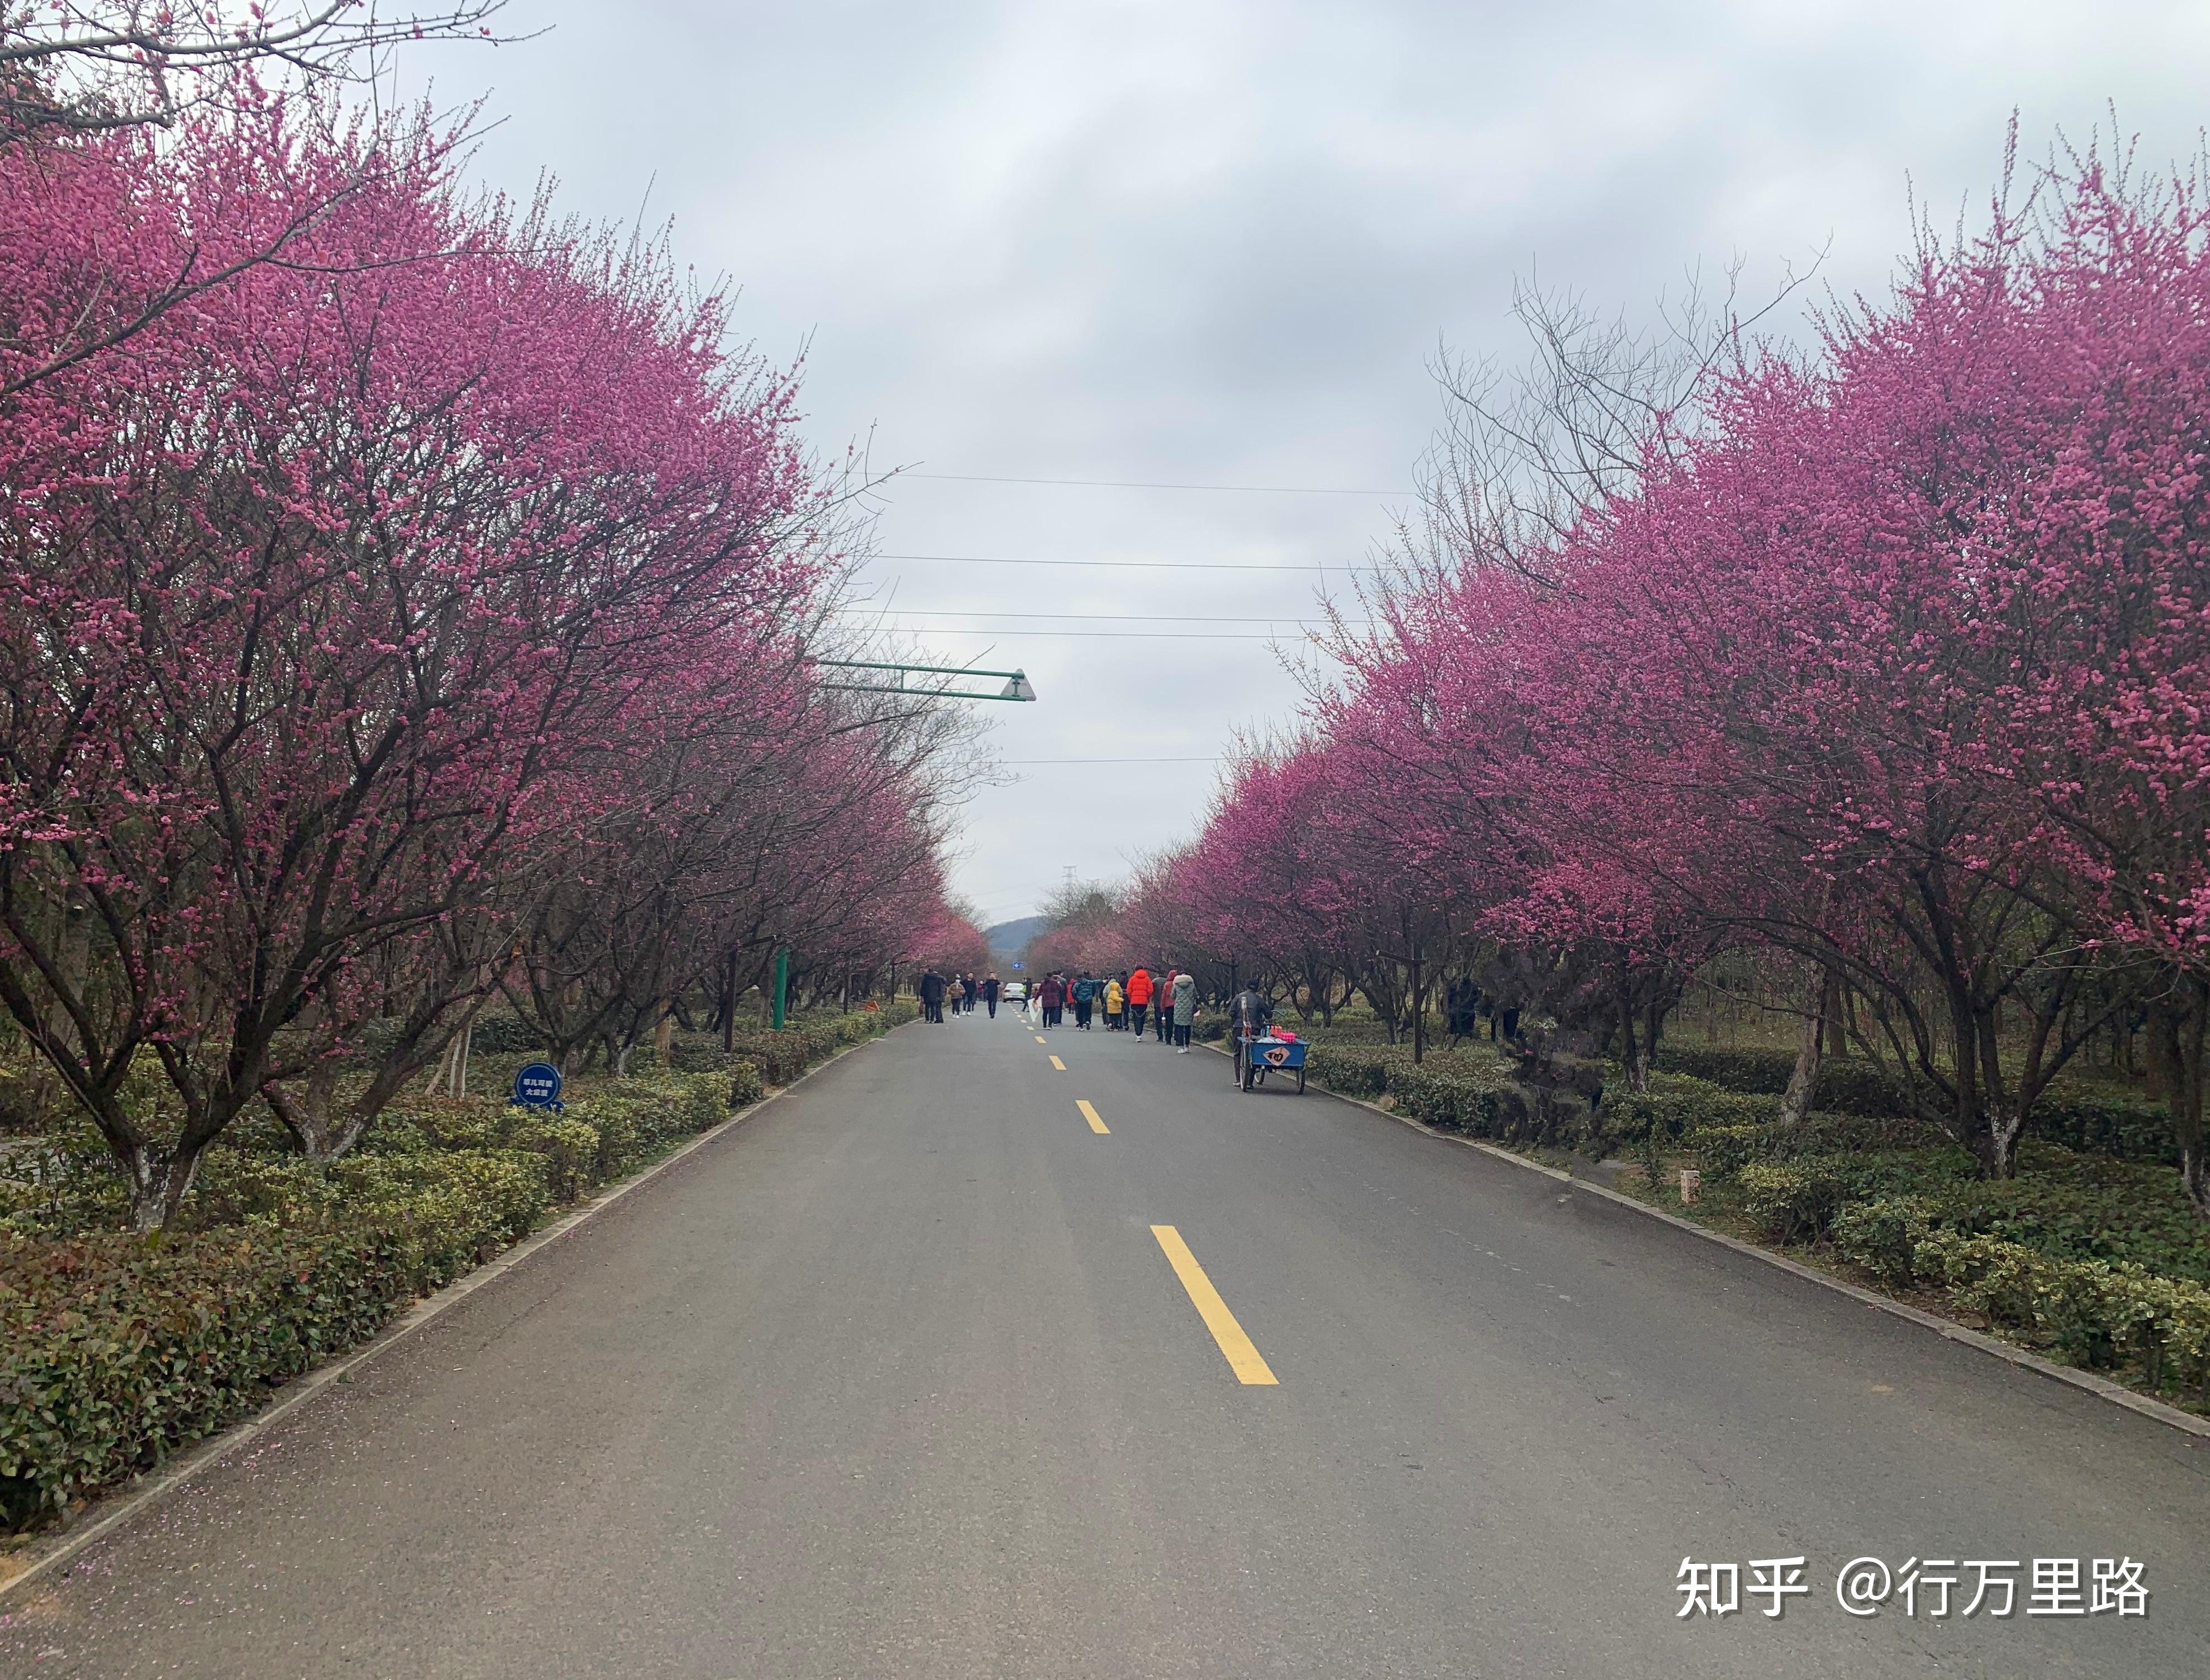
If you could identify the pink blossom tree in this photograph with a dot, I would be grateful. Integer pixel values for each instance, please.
(322, 594)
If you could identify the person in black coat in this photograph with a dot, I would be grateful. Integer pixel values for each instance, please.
(931, 996)
(990, 993)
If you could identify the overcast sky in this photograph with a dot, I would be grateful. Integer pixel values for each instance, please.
(1216, 244)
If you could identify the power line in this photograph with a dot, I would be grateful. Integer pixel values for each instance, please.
(1148, 565)
(1091, 617)
(1101, 635)
(1212, 759)
(1140, 484)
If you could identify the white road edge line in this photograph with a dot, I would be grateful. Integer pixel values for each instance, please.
(156, 1484)
(2116, 1393)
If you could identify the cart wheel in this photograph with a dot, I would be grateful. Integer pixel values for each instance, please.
(1250, 1072)
(1300, 1082)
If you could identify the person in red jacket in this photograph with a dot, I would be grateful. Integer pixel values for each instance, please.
(1140, 996)
(1053, 997)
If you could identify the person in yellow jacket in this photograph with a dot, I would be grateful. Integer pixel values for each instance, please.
(1116, 1000)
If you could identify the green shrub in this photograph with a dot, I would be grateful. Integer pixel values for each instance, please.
(497, 1034)
(569, 1149)
(696, 1056)
(448, 1208)
(1452, 1096)
(1370, 1071)
(1847, 1084)
(1795, 1203)
(2094, 1121)
(1883, 1234)
(744, 1084)
(781, 1057)
(461, 1122)
(2084, 1208)
(1722, 1150)
(1676, 1104)
(117, 1350)
(1760, 1072)
(2081, 1116)
(1356, 1071)
(2087, 1312)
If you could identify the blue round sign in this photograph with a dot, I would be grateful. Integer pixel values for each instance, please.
(537, 1085)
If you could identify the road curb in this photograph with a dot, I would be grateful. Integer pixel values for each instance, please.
(2116, 1393)
(153, 1486)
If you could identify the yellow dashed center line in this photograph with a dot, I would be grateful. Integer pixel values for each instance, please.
(1091, 1114)
(1242, 1358)
(1040, 1039)
(1060, 1064)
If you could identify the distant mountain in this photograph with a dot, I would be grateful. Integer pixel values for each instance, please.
(1009, 939)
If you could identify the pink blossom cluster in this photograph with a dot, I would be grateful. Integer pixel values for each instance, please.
(1894, 668)
(404, 598)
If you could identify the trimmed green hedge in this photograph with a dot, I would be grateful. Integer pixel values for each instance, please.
(2116, 1123)
(782, 1056)
(117, 1350)
(1361, 1070)
(1847, 1084)
(1475, 1099)
(1678, 1103)
(2092, 1313)
(2084, 1117)
(1721, 1150)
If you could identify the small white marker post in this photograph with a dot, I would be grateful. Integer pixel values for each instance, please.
(1692, 1182)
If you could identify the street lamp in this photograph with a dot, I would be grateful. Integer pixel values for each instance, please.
(878, 677)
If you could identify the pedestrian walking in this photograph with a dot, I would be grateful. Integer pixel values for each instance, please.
(1162, 1006)
(1085, 995)
(931, 996)
(1053, 995)
(955, 991)
(1185, 1011)
(990, 989)
(1139, 998)
(1116, 1001)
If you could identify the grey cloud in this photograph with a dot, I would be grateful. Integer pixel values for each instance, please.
(1218, 242)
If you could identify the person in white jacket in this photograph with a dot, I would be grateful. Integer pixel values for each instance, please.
(1185, 1011)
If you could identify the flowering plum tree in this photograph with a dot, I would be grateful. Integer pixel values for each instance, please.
(322, 595)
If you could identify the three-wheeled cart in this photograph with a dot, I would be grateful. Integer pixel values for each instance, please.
(1255, 1058)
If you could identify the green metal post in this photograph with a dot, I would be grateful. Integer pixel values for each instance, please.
(782, 984)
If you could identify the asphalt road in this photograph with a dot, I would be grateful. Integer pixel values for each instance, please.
(898, 1379)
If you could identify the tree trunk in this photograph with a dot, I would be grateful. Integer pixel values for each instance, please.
(1997, 1142)
(1810, 1047)
(2175, 1048)
(1653, 1027)
(1419, 1010)
(158, 1179)
(1631, 1056)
